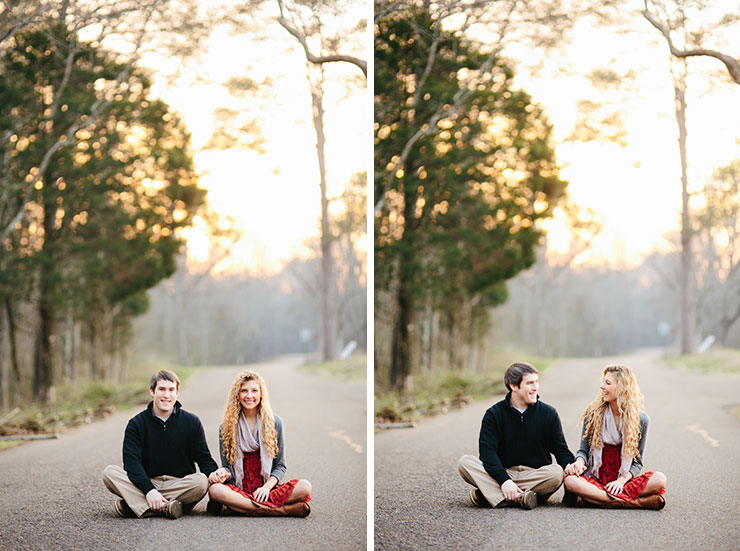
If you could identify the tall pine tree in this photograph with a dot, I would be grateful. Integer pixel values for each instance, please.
(100, 224)
(460, 214)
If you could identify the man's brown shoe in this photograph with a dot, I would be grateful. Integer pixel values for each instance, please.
(477, 499)
(173, 509)
(528, 500)
(123, 510)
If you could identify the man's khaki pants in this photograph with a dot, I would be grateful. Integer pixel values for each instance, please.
(189, 490)
(544, 481)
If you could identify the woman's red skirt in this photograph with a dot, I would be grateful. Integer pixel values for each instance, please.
(611, 460)
(253, 480)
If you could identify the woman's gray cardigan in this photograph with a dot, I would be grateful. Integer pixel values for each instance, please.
(636, 467)
(278, 462)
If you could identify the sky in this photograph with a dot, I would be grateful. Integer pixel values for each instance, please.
(635, 190)
(273, 197)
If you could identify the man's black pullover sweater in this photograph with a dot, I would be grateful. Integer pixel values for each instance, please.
(152, 447)
(509, 438)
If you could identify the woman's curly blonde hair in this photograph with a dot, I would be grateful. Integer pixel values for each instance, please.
(630, 402)
(231, 417)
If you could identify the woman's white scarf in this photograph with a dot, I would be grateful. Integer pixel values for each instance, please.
(612, 435)
(249, 441)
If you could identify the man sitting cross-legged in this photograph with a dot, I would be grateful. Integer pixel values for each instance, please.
(160, 448)
(517, 437)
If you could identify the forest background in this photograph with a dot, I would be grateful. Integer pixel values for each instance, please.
(183, 185)
(552, 179)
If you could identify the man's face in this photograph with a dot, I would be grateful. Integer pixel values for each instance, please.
(527, 391)
(164, 396)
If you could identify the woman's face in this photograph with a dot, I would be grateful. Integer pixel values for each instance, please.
(609, 387)
(249, 395)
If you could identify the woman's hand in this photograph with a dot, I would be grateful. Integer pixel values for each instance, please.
(615, 487)
(575, 468)
(262, 493)
(219, 476)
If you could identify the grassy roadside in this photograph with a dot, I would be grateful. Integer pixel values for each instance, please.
(716, 360)
(353, 368)
(441, 390)
(83, 402)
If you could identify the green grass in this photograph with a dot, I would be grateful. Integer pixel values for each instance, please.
(438, 391)
(353, 368)
(82, 402)
(7, 444)
(716, 360)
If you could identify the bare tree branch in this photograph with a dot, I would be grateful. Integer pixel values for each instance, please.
(732, 64)
(318, 60)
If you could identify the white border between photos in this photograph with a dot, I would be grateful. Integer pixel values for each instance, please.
(370, 477)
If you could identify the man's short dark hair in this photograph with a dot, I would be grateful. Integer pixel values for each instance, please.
(516, 372)
(163, 375)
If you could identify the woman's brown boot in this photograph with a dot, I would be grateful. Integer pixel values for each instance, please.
(298, 509)
(654, 502)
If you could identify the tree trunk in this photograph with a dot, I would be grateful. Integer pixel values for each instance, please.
(76, 343)
(69, 349)
(427, 337)
(474, 329)
(400, 346)
(434, 339)
(456, 344)
(93, 343)
(328, 306)
(44, 368)
(483, 354)
(113, 365)
(44, 371)
(13, 345)
(401, 343)
(726, 323)
(687, 295)
(4, 368)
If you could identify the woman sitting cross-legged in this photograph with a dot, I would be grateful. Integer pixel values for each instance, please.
(253, 458)
(606, 471)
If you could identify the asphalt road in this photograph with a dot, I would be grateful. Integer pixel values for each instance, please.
(421, 501)
(52, 496)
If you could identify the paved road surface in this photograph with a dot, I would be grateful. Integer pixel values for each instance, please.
(52, 496)
(421, 502)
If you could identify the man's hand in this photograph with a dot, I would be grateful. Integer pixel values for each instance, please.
(576, 468)
(155, 500)
(218, 476)
(262, 493)
(510, 490)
